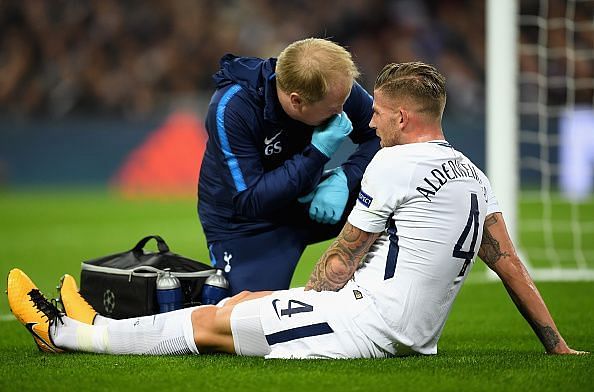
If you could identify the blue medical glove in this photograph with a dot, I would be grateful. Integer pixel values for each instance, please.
(329, 198)
(327, 139)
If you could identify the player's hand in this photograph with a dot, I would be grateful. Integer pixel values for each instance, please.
(561, 348)
(576, 352)
(567, 351)
(327, 138)
(329, 198)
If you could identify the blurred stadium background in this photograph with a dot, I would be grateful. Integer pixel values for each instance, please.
(101, 136)
(111, 95)
(83, 83)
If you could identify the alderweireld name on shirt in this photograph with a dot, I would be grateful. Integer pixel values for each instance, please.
(449, 170)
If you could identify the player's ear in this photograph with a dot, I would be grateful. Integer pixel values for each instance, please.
(403, 118)
(296, 101)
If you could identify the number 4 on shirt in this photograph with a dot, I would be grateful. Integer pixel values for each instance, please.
(473, 221)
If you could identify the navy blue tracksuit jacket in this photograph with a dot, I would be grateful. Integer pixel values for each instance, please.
(257, 162)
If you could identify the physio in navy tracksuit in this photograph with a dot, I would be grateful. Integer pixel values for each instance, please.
(272, 126)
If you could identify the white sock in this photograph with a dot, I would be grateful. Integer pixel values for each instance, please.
(102, 320)
(166, 333)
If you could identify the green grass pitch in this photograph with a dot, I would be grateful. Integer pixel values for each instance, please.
(486, 344)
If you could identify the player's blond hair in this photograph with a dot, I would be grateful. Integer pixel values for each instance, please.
(310, 66)
(417, 81)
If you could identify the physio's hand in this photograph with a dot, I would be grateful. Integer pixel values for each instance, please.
(329, 198)
(327, 139)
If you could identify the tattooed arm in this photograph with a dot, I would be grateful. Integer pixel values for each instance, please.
(338, 264)
(498, 252)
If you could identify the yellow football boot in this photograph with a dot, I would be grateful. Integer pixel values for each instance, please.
(32, 309)
(74, 304)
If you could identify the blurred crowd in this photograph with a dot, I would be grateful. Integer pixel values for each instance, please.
(567, 63)
(135, 58)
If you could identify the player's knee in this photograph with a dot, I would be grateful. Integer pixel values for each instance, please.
(212, 329)
(243, 294)
(237, 298)
(203, 324)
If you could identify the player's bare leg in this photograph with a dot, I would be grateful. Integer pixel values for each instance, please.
(212, 324)
(184, 331)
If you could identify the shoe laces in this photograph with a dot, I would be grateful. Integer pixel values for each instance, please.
(48, 308)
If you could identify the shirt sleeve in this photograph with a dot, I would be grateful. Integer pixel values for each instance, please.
(383, 189)
(492, 203)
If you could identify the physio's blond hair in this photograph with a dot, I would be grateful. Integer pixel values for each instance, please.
(310, 66)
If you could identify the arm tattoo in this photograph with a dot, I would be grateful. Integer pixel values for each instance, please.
(548, 336)
(338, 264)
(490, 250)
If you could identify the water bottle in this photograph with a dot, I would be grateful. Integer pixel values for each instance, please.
(216, 287)
(169, 292)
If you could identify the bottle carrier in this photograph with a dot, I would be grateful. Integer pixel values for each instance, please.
(123, 285)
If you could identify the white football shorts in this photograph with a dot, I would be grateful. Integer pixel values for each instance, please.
(308, 324)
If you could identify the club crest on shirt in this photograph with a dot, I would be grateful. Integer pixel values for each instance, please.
(365, 199)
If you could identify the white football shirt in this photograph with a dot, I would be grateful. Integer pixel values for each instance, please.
(430, 203)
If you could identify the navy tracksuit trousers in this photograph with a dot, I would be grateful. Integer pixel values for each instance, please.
(267, 260)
